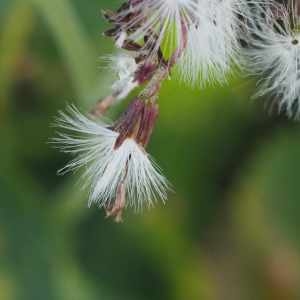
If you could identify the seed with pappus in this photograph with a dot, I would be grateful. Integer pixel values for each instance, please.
(115, 164)
(274, 56)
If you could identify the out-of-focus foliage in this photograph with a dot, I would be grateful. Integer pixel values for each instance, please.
(230, 230)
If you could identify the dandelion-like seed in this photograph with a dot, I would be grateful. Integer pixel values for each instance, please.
(206, 32)
(115, 162)
(212, 43)
(274, 55)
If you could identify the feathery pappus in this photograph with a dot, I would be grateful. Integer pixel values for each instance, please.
(204, 33)
(212, 42)
(115, 164)
(273, 55)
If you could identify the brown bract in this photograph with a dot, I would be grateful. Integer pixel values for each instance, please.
(137, 122)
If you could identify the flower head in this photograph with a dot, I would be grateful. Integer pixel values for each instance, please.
(212, 42)
(151, 25)
(114, 159)
(202, 34)
(273, 54)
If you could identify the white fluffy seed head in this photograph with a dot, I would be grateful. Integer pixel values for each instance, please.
(105, 167)
(212, 42)
(162, 21)
(274, 55)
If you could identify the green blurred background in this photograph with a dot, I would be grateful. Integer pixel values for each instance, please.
(229, 232)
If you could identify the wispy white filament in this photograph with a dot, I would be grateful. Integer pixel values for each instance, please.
(274, 55)
(105, 168)
(124, 66)
(212, 42)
